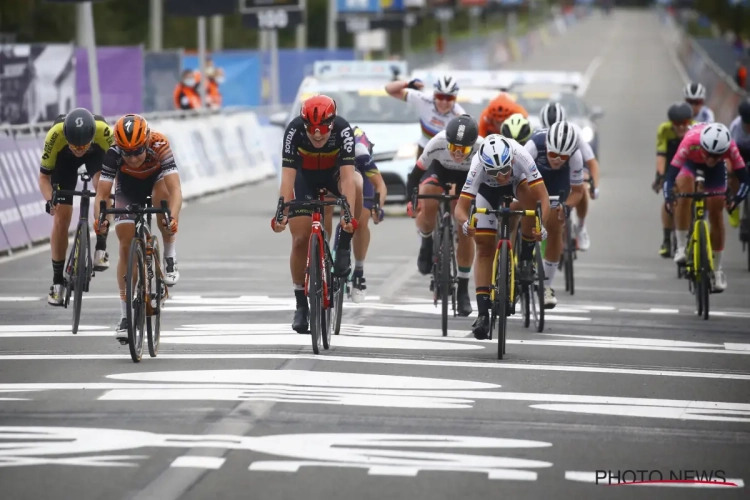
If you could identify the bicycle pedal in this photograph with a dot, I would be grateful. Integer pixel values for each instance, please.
(123, 341)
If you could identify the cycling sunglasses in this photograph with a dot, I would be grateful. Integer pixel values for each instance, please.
(694, 101)
(497, 171)
(322, 127)
(455, 148)
(445, 97)
(79, 149)
(713, 156)
(133, 152)
(554, 156)
(682, 123)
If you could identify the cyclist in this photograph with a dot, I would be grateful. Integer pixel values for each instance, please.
(142, 161)
(502, 167)
(318, 153)
(695, 95)
(560, 162)
(435, 110)
(446, 159)
(705, 146)
(78, 138)
(516, 127)
(739, 129)
(496, 112)
(668, 137)
(371, 181)
(554, 112)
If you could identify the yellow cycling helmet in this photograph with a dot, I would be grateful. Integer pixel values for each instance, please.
(516, 127)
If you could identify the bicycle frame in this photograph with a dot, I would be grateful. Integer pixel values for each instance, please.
(319, 232)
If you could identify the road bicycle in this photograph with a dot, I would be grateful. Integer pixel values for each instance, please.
(346, 287)
(79, 268)
(699, 265)
(323, 289)
(144, 281)
(444, 280)
(532, 291)
(745, 229)
(503, 288)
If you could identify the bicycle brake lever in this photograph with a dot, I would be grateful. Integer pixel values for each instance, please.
(280, 210)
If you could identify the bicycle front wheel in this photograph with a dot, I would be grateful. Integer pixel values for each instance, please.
(315, 294)
(153, 322)
(445, 275)
(704, 270)
(80, 271)
(330, 314)
(500, 304)
(537, 290)
(569, 253)
(136, 294)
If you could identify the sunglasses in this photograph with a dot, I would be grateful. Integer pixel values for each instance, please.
(497, 171)
(554, 156)
(683, 123)
(694, 102)
(455, 148)
(445, 97)
(712, 156)
(133, 152)
(322, 127)
(79, 149)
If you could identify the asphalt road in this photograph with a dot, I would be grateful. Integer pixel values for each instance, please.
(624, 378)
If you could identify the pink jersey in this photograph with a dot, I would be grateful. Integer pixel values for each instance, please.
(690, 150)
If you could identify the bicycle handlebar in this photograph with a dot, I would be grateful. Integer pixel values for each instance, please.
(338, 201)
(56, 193)
(134, 210)
(700, 194)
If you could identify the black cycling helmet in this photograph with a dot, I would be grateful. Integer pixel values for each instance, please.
(462, 131)
(680, 112)
(744, 111)
(79, 127)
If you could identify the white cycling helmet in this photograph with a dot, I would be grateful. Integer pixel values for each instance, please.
(446, 84)
(496, 154)
(552, 112)
(715, 139)
(562, 138)
(695, 91)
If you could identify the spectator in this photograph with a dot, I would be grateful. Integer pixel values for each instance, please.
(740, 76)
(186, 92)
(213, 93)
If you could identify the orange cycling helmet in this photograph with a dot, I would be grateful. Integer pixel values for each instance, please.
(132, 134)
(501, 108)
(318, 113)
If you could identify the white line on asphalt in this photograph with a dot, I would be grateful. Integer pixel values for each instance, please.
(198, 462)
(673, 57)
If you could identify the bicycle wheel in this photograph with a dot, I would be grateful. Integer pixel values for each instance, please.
(569, 249)
(136, 293)
(330, 314)
(705, 275)
(537, 292)
(340, 293)
(500, 304)
(153, 322)
(445, 275)
(80, 271)
(315, 293)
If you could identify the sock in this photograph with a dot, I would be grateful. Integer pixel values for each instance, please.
(717, 259)
(527, 248)
(463, 272)
(463, 285)
(101, 242)
(581, 221)
(299, 296)
(550, 268)
(359, 268)
(667, 235)
(681, 238)
(123, 309)
(483, 301)
(57, 272)
(169, 250)
(426, 236)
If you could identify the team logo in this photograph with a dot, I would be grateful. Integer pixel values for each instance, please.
(348, 140)
(288, 140)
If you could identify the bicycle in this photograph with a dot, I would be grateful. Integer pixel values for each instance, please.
(570, 246)
(444, 268)
(699, 264)
(346, 289)
(144, 281)
(532, 292)
(79, 268)
(326, 302)
(503, 287)
(745, 229)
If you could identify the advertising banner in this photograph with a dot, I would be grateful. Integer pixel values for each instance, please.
(242, 75)
(120, 79)
(360, 6)
(161, 73)
(13, 230)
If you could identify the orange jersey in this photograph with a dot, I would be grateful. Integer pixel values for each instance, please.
(158, 163)
(497, 112)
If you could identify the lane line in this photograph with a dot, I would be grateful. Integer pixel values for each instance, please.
(673, 57)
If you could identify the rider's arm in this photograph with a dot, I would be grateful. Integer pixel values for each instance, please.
(740, 171)
(402, 90)
(290, 160)
(49, 158)
(576, 180)
(678, 161)
(428, 154)
(587, 152)
(346, 162)
(474, 179)
(366, 166)
(661, 151)
(45, 185)
(106, 179)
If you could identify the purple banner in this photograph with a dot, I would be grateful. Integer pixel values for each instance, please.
(12, 187)
(24, 164)
(120, 79)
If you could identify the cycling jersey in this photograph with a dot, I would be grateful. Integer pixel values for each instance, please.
(365, 164)
(705, 115)
(430, 119)
(555, 179)
(690, 150)
(486, 120)
(134, 184)
(667, 141)
(587, 152)
(737, 132)
(437, 150)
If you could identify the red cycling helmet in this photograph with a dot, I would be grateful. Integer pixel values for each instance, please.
(318, 113)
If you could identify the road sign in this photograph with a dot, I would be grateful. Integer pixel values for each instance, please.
(273, 19)
(359, 6)
(200, 8)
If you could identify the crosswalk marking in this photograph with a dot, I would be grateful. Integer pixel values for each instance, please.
(198, 462)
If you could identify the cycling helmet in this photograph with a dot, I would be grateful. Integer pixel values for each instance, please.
(132, 133)
(680, 112)
(446, 85)
(462, 131)
(318, 113)
(501, 109)
(496, 154)
(516, 127)
(552, 112)
(79, 127)
(562, 138)
(695, 91)
(715, 139)
(744, 111)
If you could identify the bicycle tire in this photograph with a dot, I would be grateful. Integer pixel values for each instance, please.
(501, 298)
(538, 293)
(153, 322)
(705, 277)
(525, 289)
(136, 310)
(69, 271)
(329, 314)
(569, 276)
(80, 272)
(445, 275)
(342, 283)
(315, 293)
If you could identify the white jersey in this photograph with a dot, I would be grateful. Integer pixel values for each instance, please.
(431, 121)
(737, 132)
(437, 150)
(584, 147)
(575, 163)
(705, 115)
(524, 170)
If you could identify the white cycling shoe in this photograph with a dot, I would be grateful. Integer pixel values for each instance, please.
(679, 256)
(718, 281)
(359, 289)
(550, 301)
(171, 271)
(101, 260)
(584, 242)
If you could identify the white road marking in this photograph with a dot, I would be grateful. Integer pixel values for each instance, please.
(589, 75)
(590, 477)
(198, 462)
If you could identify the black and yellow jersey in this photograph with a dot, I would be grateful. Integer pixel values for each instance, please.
(56, 153)
(667, 141)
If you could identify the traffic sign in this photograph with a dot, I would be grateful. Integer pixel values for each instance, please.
(200, 8)
(252, 6)
(359, 6)
(273, 19)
